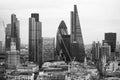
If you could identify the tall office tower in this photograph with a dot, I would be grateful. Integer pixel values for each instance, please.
(110, 38)
(96, 51)
(105, 52)
(8, 37)
(61, 47)
(15, 31)
(48, 49)
(35, 39)
(13, 56)
(77, 45)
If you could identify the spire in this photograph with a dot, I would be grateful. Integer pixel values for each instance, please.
(75, 9)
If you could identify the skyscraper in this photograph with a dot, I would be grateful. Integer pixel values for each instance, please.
(62, 30)
(77, 45)
(35, 39)
(15, 31)
(110, 38)
(8, 37)
(61, 43)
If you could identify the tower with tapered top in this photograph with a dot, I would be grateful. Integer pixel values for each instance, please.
(76, 39)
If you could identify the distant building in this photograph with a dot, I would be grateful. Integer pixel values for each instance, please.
(1, 48)
(96, 51)
(110, 38)
(35, 39)
(105, 53)
(15, 31)
(28, 67)
(13, 57)
(15, 75)
(48, 49)
(77, 45)
(8, 37)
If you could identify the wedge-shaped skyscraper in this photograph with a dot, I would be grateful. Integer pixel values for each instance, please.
(77, 45)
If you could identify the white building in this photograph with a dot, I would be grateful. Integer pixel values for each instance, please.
(28, 67)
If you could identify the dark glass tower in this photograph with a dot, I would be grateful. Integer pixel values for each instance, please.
(62, 42)
(77, 45)
(66, 47)
(15, 31)
(35, 39)
(110, 38)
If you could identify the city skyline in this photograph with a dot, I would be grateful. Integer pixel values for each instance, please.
(96, 17)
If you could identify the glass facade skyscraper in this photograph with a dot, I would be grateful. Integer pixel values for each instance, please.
(15, 31)
(77, 45)
(35, 39)
(110, 38)
(63, 42)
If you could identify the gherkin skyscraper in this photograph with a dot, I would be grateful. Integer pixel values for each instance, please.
(63, 42)
(77, 45)
(62, 30)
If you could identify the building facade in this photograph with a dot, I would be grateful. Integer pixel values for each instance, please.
(63, 42)
(77, 45)
(105, 53)
(110, 38)
(48, 49)
(35, 39)
(13, 57)
(7, 37)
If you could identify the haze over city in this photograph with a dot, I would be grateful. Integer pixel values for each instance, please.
(96, 16)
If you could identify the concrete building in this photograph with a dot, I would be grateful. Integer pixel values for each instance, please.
(48, 49)
(35, 39)
(28, 67)
(20, 76)
(13, 57)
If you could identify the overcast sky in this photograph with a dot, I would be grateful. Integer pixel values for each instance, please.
(96, 16)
